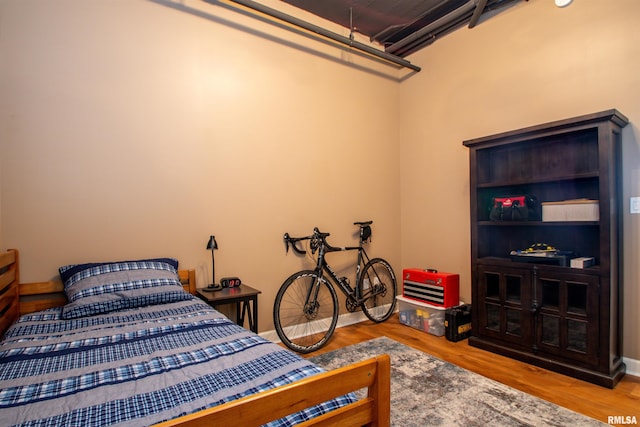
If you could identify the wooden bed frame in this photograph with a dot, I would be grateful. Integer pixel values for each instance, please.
(20, 298)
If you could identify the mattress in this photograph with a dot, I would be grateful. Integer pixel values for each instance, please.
(138, 367)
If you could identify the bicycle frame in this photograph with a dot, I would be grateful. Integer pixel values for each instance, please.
(323, 267)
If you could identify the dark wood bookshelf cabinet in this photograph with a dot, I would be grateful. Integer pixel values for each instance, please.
(546, 313)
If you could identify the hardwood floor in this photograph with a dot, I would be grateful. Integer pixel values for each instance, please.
(588, 399)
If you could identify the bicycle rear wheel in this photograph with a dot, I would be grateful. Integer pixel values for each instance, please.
(378, 288)
(305, 312)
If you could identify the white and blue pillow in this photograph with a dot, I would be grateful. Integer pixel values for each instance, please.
(97, 288)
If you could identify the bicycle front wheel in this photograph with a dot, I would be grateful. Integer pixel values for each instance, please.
(305, 312)
(378, 289)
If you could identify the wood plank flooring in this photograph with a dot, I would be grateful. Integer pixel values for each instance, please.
(588, 399)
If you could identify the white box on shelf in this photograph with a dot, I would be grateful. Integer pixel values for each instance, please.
(582, 262)
(571, 210)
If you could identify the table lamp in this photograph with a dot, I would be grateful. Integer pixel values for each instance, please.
(212, 245)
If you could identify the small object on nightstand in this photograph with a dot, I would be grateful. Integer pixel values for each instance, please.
(230, 282)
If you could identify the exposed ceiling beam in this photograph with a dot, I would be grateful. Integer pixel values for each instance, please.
(273, 13)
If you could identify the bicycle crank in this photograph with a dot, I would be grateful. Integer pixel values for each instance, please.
(352, 305)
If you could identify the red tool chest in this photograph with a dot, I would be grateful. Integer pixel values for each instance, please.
(431, 286)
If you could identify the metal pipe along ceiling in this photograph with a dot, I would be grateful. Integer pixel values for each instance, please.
(323, 32)
(476, 13)
(434, 26)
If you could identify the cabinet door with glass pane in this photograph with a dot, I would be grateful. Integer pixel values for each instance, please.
(505, 301)
(566, 321)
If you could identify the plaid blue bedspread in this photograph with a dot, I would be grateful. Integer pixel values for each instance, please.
(138, 367)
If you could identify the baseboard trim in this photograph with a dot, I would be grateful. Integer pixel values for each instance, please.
(633, 366)
(345, 319)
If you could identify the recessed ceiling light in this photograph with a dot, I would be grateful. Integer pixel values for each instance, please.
(563, 3)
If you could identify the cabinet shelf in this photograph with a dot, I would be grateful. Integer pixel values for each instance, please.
(558, 317)
(538, 180)
(508, 262)
(538, 223)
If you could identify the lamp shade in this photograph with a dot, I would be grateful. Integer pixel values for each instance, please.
(212, 244)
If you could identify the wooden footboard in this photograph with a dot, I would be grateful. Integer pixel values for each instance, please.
(258, 409)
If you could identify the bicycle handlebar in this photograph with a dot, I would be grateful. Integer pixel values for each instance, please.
(319, 237)
(292, 241)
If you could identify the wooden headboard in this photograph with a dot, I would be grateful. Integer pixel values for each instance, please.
(21, 298)
(8, 289)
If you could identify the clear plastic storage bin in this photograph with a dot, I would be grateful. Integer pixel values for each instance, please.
(420, 315)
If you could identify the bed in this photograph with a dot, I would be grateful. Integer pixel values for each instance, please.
(151, 353)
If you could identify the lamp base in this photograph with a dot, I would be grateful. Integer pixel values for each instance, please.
(212, 288)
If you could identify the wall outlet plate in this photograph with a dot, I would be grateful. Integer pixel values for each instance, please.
(634, 205)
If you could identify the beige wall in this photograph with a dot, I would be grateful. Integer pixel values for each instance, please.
(530, 64)
(132, 129)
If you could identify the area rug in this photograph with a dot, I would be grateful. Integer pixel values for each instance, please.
(427, 391)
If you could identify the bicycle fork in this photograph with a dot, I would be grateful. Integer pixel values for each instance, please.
(311, 305)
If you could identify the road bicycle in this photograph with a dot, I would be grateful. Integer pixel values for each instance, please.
(306, 308)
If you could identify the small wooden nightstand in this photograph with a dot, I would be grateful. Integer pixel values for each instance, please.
(245, 298)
